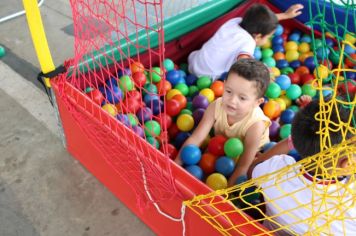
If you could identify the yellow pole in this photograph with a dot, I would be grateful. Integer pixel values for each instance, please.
(39, 37)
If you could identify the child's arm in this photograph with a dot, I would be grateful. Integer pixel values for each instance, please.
(251, 145)
(291, 12)
(202, 131)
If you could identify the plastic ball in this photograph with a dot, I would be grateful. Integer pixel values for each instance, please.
(348, 87)
(282, 63)
(275, 72)
(291, 46)
(155, 75)
(306, 38)
(153, 141)
(279, 30)
(171, 93)
(351, 62)
(287, 70)
(285, 131)
(144, 114)
(137, 67)
(257, 53)
(233, 147)
(224, 166)
(110, 108)
(283, 81)
(306, 78)
(181, 99)
(216, 181)
(273, 90)
(216, 145)
(191, 79)
(309, 62)
(274, 129)
(138, 130)
(271, 109)
(279, 56)
(156, 106)
(113, 94)
(173, 107)
(185, 122)
(287, 116)
(295, 78)
(207, 163)
(303, 47)
(148, 98)
(186, 111)
(281, 103)
(180, 138)
(295, 64)
(123, 118)
(126, 83)
(132, 119)
(96, 96)
(168, 64)
(268, 146)
(164, 120)
(2, 51)
(277, 40)
(139, 79)
(292, 55)
(286, 100)
(321, 72)
(349, 49)
(204, 82)
(223, 76)
(302, 70)
(294, 108)
(163, 87)
(322, 53)
(173, 76)
(208, 93)
(196, 171)
(183, 88)
(269, 61)
(293, 92)
(308, 89)
(198, 115)
(317, 44)
(278, 48)
(294, 37)
(193, 91)
(200, 101)
(152, 128)
(267, 52)
(190, 154)
(218, 88)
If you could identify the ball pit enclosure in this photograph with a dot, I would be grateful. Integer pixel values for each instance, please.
(84, 150)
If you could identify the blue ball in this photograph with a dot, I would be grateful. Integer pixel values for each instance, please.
(173, 76)
(112, 82)
(148, 98)
(350, 75)
(113, 94)
(295, 64)
(277, 40)
(181, 80)
(283, 81)
(322, 53)
(124, 119)
(278, 48)
(306, 39)
(329, 42)
(309, 62)
(279, 30)
(195, 170)
(257, 53)
(287, 116)
(182, 73)
(241, 179)
(280, 64)
(348, 49)
(144, 114)
(191, 79)
(190, 154)
(180, 139)
(293, 153)
(224, 166)
(156, 106)
(294, 37)
(223, 76)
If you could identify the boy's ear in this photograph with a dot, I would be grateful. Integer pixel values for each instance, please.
(260, 101)
(257, 36)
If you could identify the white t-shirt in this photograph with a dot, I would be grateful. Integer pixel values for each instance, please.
(291, 199)
(218, 54)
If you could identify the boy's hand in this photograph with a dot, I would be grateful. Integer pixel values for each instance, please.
(293, 11)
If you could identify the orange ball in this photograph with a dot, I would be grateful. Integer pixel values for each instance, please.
(163, 86)
(136, 67)
(272, 109)
(181, 99)
(207, 163)
(279, 56)
(301, 70)
(218, 88)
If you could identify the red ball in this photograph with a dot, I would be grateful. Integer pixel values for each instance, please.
(295, 78)
(327, 63)
(181, 99)
(96, 96)
(131, 105)
(139, 79)
(173, 107)
(306, 78)
(207, 163)
(216, 145)
(218, 88)
(163, 86)
(351, 87)
(169, 150)
(134, 94)
(173, 130)
(164, 119)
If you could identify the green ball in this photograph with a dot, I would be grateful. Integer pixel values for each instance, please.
(317, 44)
(156, 74)
(233, 147)
(150, 88)
(153, 141)
(294, 91)
(189, 106)
(273, 90)
(294, 108)
(2, 51)
(307, 89)
(204, 82)
(168, 64)
(192, 90)
(132, 119)
(184, 67)
(334, 56)
(267, 52)
(186, 111)
(183, 88)
(285, 131)
(152, 128)
(287, 70)
(269, 61)
(88, 89)
(126, 83)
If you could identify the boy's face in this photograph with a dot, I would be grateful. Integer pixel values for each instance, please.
(261, 40)
(240, 96)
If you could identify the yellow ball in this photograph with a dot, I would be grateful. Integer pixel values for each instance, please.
(110, 108)
(208, 93)
(268, 44)
(275, 72)
(321, 72)
(286, 100)
(281, 103)
(304, 47)
(185, 122)
(291, 46)
(292, 55)
(171, 93)
(305, 55)
(351, 39)
(216, 181)
(330, 35)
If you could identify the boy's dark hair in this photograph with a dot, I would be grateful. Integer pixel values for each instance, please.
(305, 127)
(259, 19)
(252, 70)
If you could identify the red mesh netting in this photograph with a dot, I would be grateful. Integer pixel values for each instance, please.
(117, 43)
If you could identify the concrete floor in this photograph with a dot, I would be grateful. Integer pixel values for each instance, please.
(43, 190)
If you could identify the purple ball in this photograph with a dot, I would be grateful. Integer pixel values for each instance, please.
(139, 131)
(144, 114)
(274, 129)
(198, 115)
(200, 101)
